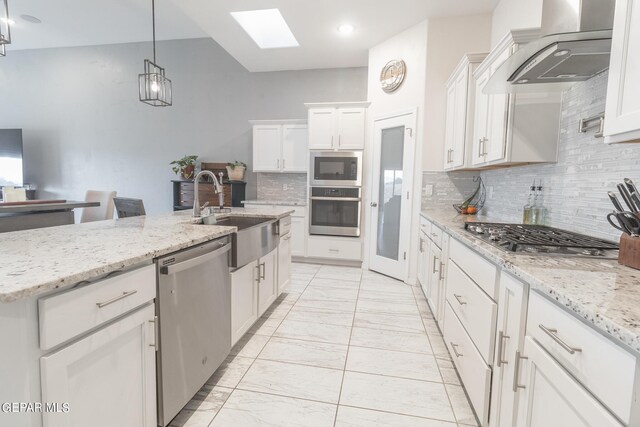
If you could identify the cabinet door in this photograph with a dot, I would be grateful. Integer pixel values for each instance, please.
(351, 127)
(481, 117)
(267, 148)
(268, 285)
(298, 236)
(460, 120)
(108, 378)
(622, 122)
(244, 300)
(549, 396)
(497, 120)
(422, 258)
(295, 157)
(322, 126)
(433, 273)
(449, 131)
(284, 262)
(512, 309)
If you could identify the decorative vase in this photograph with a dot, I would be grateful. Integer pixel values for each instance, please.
(237, 173)
(187, 172)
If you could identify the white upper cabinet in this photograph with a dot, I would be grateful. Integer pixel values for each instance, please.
(280, 146)
(337, 126)
(459, 114)
(512, 129)
(622, 112)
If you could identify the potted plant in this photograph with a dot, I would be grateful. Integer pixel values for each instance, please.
(236, 170)
(185, 166)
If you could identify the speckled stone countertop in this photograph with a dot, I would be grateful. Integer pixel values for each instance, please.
(276, 202)
(602, 292)
(41, 260)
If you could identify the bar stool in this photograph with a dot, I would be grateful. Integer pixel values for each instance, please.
(98, 213)
(127, 207)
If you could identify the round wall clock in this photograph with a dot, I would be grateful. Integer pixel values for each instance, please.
(392, 75)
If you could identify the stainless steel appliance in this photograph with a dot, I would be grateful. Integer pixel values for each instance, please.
(194, 321)
(336, 168)
(255, 238)
(540, 239)
(335, 211)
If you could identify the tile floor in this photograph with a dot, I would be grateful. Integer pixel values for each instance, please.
(340, 347)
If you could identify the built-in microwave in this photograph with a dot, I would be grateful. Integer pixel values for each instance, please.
(336, 168)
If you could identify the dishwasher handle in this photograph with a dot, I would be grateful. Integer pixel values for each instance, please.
(190, 263)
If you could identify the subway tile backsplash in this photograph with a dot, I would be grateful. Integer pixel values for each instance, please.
(447, 188)
(271, 186)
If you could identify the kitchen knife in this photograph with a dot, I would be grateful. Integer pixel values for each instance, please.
(615, 201)
(632, 189)
(627, 198)
(635, 196)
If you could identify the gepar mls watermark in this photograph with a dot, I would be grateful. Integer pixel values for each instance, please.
(28, 407)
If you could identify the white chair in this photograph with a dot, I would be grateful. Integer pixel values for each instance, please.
(98, 213)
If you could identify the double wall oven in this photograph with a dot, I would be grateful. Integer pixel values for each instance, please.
(335, 194)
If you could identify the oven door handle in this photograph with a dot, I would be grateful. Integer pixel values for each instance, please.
(339, 199)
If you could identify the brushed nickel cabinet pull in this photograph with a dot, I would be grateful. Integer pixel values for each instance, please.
(454, 348)
(155, 332)
(118, 298)
(258, 278)
(516, 372)
(553, 333)
(435, 264)
(441, 275)
(459, 299)
(264, 271)
(501, 338)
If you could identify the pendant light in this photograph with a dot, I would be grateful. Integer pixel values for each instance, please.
(5, 28)
(154, 87)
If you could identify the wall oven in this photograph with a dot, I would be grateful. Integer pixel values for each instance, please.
(336, 168)
(335, 211)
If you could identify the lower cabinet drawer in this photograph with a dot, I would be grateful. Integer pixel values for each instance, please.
(481, 270)
(71, 313)
(474, 372)
(476, 311)
(338, 248)
(436, 234)
(604, 368)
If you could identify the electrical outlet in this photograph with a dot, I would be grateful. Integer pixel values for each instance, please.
(428, 190)
(285, 187)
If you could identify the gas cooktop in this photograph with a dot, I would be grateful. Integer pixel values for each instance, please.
(540, 239)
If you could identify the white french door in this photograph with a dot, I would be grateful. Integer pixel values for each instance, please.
(391, 194)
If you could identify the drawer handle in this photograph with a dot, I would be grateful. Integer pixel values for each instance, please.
(434, 235)
(501, 338)
(454, 347)
(516, 372)
(118, 298)
(435, 258)
(441, 272)
(264, 271)
(259, 276)
(553, 333)
(459, 299)
(334, 250)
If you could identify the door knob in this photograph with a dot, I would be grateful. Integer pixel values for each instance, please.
(373, 204)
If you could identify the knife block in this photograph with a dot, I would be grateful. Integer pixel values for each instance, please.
(629, 254)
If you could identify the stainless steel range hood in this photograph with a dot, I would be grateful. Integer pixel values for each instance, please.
(575, 46)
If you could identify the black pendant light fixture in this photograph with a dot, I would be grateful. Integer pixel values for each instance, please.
(5, 28)
(154, 87)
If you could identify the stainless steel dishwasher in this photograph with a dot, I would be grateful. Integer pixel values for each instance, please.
(194, 320)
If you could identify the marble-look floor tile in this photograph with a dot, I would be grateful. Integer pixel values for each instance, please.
(288, 297)
(390, 289)
(337, 305)
(393, 363)
(311, 353)
(444, 361)
(340, 273)
(461, 406)
(389, 322)
(292, 380)
(314, 332)
(357, 417)
(278, 311)
(450, 376)
(200, 410)
(265, 326)
(251, 409)
(385, 297)
(330, 294)
(249, 345)
(438, 346)
(298, 267)
(398, 395)
(231, 371)
(334, 283)
(391, 340)
(388, 307)
(326, 316)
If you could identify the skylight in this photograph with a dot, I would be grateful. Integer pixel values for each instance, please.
(266, 27)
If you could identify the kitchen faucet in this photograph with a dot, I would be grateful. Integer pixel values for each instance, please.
(197, 209)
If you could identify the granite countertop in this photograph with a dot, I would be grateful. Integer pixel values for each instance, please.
(45, 259)
(276, 202)
(603, 292)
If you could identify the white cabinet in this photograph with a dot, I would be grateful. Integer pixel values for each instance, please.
(622, 112)
(284, 262)
(298, 236)
(459, 113)
(108, 378)
(552, 397)
(268, 284)
(280, 146)
(337, 126)
(244, 300)
(334, 247)
(512, 129)
(434, 277)
(423, 250)
(512, 312)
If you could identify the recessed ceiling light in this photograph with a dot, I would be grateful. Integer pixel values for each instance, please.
(562, 52)
(8, 21)
(31, 19)
(346, 29)
(266, 27)
(522, 81)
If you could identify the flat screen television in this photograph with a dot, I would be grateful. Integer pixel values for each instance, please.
(11, 170)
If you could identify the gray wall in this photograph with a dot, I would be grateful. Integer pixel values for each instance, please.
(84, 127)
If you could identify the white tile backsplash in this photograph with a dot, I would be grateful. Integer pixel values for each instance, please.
(271, 186)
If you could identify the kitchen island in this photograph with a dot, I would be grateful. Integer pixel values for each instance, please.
(53, 336)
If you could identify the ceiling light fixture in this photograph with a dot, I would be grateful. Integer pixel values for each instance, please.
(5, 28)
(267, 28)
(32, 19)
(346, 29)
(154, 87)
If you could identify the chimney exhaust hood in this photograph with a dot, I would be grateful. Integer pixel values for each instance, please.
(575, 46)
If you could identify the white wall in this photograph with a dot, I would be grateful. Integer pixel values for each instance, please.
(514, 14)
(448, 40)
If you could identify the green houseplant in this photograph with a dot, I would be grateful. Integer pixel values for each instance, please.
(184, 166)
(236, 170)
